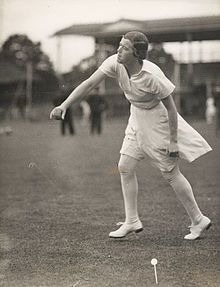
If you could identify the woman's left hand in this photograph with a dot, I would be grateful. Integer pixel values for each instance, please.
(173, 149)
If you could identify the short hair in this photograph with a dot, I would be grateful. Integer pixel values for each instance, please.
(140, 43)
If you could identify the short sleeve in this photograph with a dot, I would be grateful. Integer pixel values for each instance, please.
(108, 67)
(163, 87)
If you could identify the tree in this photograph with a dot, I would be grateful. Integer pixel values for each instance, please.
(36, 70)
(19, 49)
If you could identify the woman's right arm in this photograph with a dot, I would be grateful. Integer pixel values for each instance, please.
(78, 94)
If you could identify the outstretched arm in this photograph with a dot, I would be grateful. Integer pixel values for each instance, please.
(173, 124)
(78, 94)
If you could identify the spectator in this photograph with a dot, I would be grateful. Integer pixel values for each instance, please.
(97, 106)
(68, 120)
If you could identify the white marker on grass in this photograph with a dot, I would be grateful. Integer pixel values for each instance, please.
(154, 263)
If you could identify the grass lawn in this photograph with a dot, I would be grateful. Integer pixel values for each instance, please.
(60, 197)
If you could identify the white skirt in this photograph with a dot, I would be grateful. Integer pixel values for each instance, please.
(148, 133)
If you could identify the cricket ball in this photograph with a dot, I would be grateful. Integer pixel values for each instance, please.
(57, 114)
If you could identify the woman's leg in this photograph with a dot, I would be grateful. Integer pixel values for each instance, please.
(184, 192)
(127, 166)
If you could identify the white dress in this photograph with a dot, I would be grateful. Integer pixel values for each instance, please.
(147, 131)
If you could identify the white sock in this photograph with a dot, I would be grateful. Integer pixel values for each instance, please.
(129, 186)
(184, 192)
(130, 192)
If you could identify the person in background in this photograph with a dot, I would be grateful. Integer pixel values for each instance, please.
(68, 121)
(20, 100)
(85, 108)
(210, 111)
(155, 130)
(97, 106)
(217, 109)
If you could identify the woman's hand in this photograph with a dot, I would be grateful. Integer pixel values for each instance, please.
(173, 150)
(58, 113)
(169, 104)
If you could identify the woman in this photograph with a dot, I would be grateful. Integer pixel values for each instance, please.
(155, 129)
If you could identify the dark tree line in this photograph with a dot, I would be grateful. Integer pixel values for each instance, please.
(17, 52)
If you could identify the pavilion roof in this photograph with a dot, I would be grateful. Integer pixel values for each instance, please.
(163, 30)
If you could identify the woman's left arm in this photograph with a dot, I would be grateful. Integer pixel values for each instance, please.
(173, 124)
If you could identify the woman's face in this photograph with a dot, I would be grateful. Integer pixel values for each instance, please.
(125, 52)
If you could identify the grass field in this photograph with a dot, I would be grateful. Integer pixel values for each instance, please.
(60, 197)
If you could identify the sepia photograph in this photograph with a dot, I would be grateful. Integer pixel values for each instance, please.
(109, 143)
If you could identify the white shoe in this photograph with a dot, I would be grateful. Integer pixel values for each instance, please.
(127, 228)
(196, 230)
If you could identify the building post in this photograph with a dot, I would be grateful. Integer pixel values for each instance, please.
(189, 64)
(177, 84)
(101, 58)
(29, 80)
(59, 61)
